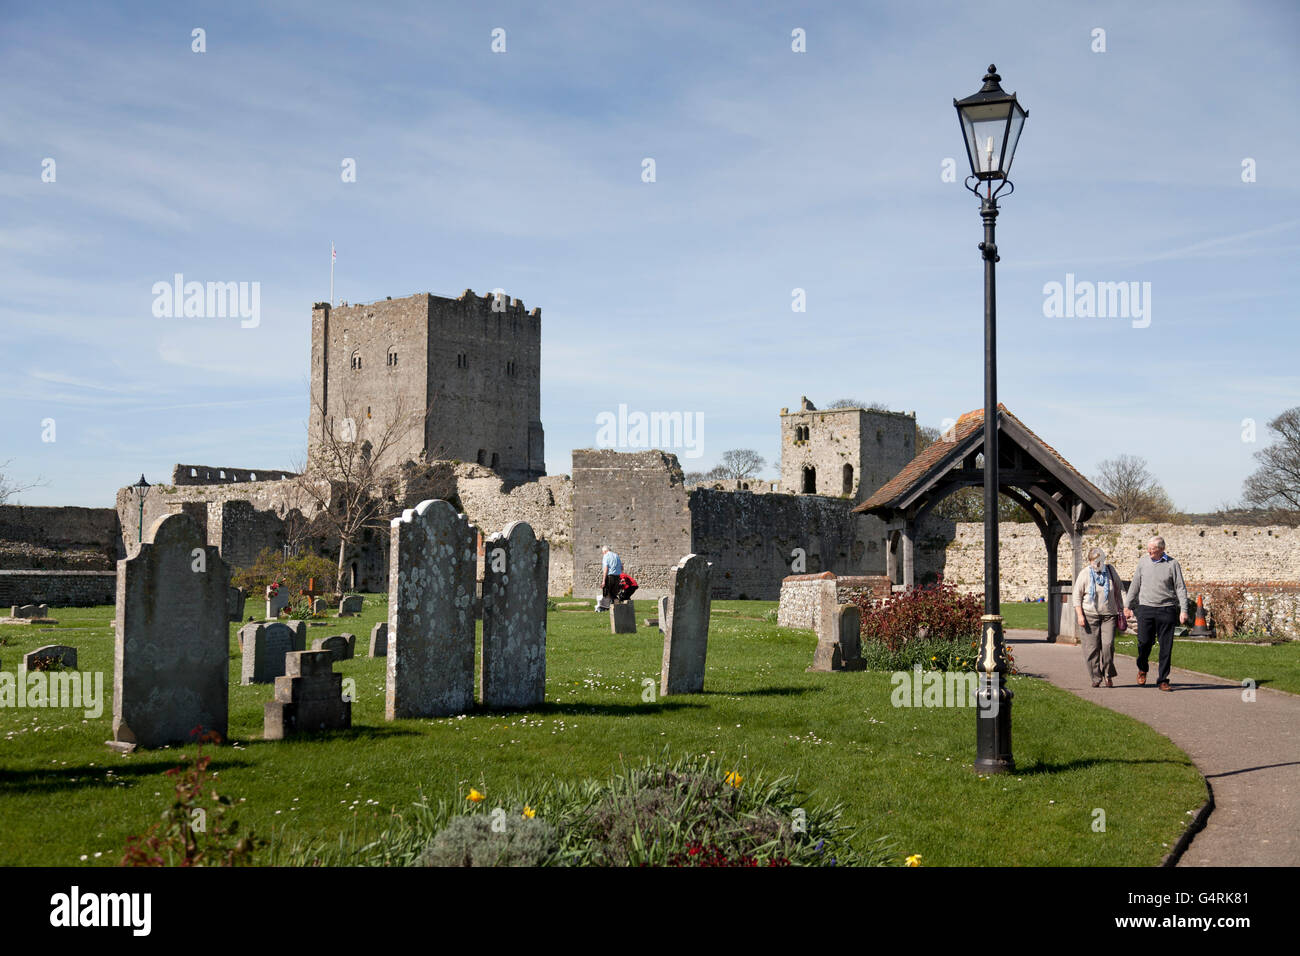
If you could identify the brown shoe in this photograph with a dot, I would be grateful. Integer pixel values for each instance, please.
(1164, 685)
(1142, 678)
(1109, 682)
(1096, 683)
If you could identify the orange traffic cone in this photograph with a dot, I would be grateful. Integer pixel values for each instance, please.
(1198, 626)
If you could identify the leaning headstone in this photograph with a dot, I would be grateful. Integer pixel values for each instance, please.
(172, 650)
(379, 640)
(516, 571)
(351, 604)
(430, 613)
(318, 606)
(265, 647)
(839, 641)
(663, 613)
(30, 610)
(277, 602)
(52, 652)
(342, 646)
(308, 698)
(235, 604)
(622, 618)
(686, 638)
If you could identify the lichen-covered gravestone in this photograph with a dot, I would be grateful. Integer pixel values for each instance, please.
(350, 605)
(171, 659)
(515, 575)
(430, 613)
(309, 697)
(342, 646)
(686, 637)
(379, 640)
(663, 613)
(235, 604)
(318, 606)
(30, 610)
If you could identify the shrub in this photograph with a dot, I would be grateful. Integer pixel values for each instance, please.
(1227, 608)
(271, 566)
(471, 841)
(190, 834)
(937, 612)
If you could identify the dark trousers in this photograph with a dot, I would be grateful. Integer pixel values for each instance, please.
(1156, 624)
(610, 588)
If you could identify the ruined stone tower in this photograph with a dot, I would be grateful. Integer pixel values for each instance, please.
(474, 362)
(843, 452)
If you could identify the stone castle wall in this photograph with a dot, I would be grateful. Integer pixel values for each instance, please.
(473, 363)
(635, 502)
(873, 445)
(1207, 553)
(800, 595)
(59, 538)
(57, 588)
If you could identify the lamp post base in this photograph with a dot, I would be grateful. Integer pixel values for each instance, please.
(993, 702)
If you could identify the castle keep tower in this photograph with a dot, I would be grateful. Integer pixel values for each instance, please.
(474, 362)
(843, 452)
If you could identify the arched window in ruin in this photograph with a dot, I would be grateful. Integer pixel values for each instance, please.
(392, 356)
(482, 457)
(356, 360)
(496, 459)
(194, 472)
(809, 480)
(848, 480)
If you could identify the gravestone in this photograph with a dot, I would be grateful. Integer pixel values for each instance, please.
(379, 640)
(172, 657)
(350, 605)
(686, 638)
(235, 604)
(265, 647)
(516, 571)
(275, 603)
(622, 618)
(29, 610)
(839, 640)
(663, 613)
(60, 652)
(430, 613)
(308, 698)
(318, 606)
(342, 646)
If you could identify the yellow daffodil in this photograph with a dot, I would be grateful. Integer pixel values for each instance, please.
(734, 779)
(529, 813)
(914, 860)
(475, 796)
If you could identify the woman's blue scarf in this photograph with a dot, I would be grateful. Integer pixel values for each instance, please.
(1094, 578)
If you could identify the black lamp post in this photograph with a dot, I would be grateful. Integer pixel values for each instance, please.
(991, 121)
(141, 490)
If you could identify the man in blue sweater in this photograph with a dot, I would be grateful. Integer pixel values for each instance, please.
(1160, 597)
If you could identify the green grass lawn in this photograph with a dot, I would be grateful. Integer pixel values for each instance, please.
(1271, 665)
(1276, 666)
(901, 773)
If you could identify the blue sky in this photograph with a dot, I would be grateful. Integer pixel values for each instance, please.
(775, 170)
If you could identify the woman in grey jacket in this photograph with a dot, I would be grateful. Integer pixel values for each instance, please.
(1098, 607)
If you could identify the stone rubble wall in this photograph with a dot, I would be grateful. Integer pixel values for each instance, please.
(800, 602)
(58, 538)
(1225, 553)
(57, 588)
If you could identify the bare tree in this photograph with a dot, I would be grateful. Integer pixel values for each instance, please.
(10, 487)
(352, 466)
(1275, 485)
(1135, 491)
(739, 463)
(926, 435)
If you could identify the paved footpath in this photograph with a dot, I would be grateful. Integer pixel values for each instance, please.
(1249, 752)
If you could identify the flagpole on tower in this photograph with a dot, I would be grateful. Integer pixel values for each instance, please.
(333, 255)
